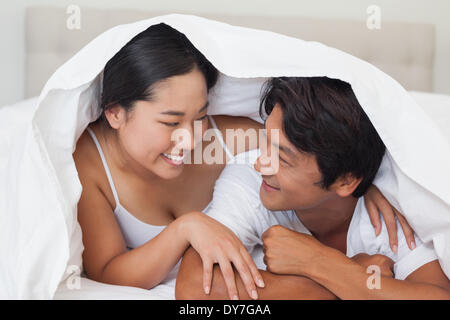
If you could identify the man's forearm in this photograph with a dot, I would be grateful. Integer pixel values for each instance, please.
(189, 284)
(348, 280)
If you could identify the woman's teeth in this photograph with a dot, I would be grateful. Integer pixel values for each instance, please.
(174, 158)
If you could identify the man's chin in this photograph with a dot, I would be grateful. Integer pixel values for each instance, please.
(269, 203)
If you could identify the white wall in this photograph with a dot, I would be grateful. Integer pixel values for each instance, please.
(12, 14)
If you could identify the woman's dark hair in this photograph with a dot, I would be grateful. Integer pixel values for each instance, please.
(322, 117)
(153, 55)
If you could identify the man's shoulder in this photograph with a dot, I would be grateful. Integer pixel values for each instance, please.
(239, 179)
(246, 158)
(361, 238)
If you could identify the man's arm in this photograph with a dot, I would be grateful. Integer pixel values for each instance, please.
(290, 252)
(189, 284)
(348, 280)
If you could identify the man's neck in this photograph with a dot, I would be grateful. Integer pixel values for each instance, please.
(330, 218)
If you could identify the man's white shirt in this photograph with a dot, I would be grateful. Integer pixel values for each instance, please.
(237, 205)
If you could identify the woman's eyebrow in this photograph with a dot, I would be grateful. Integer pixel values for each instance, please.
(173, 113)
(179, 113)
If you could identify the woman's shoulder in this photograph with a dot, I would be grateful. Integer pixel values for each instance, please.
(231, 122)
(90, 168)
(87, 159)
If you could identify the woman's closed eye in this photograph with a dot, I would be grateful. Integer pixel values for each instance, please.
(171, 124)
(174, 124)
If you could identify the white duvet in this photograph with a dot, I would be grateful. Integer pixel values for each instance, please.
(40, 239)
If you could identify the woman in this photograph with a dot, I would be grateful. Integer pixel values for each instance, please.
(139, 208)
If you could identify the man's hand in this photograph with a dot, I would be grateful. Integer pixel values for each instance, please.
(385, 264)
(289, 252)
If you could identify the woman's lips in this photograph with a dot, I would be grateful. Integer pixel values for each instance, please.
(268, 187)
(173, 162)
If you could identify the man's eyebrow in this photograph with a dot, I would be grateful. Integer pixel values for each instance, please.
(179, 113)
(286, 150)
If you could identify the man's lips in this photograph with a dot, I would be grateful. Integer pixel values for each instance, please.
(269, 187)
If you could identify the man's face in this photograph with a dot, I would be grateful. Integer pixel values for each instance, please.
(295, 184)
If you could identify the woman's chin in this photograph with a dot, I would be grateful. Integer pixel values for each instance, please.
(168, 171)
(166, 174)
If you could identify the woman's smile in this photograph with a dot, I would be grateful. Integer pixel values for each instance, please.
(176, 161)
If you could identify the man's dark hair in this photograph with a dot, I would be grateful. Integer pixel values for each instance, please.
(322, 117)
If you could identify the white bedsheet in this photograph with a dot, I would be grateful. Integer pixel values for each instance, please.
(87, 289)
(39, 185)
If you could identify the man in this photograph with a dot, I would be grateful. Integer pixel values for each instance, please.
(308, 215)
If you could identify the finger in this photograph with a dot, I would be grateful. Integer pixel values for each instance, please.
(374, 216)
(407, 230)
(264, 235)
(228, 276)
(253, 268)
(207, 275)
(246, 276)
(391, 226)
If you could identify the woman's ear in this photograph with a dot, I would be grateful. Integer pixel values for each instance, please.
(346, 185)
(116, 116)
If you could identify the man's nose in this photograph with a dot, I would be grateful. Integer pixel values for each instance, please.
(257, 165)
(265, 166)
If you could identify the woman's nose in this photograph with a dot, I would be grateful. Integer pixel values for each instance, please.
(184, 139)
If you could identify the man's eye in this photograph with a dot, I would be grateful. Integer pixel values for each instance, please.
(283, 161)
(202, 118)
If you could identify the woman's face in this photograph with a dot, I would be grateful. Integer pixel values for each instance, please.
(146, 133)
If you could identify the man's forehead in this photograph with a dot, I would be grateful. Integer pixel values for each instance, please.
(275, 122)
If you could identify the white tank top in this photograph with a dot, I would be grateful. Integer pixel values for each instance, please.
(135, 231)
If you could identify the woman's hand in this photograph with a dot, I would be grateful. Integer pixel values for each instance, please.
(215, 243)
(375, 203)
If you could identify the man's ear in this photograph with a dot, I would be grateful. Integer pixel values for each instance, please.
(116, 116)
(345, 185)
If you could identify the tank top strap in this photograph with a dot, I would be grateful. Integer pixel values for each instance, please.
(105, 165)
(220, 137)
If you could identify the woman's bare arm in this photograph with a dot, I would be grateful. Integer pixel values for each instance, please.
(105, 257)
